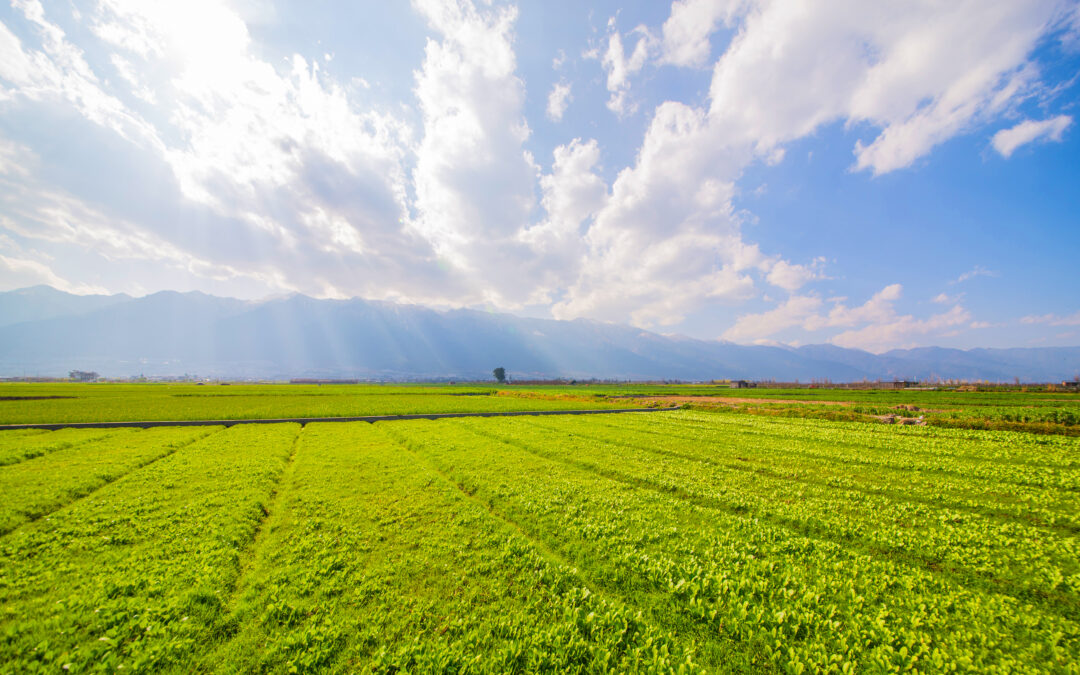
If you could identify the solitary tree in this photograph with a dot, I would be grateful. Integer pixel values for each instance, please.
(500, 374)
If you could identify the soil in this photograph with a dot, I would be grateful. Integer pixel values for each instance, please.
(897, 419)
(731, 400)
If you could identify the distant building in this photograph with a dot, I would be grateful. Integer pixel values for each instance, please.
(899, 384)
(1071, 384)
(741, 384)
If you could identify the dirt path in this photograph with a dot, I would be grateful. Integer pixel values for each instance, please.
(732, 400)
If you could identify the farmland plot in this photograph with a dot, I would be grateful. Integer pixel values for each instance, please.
(137, 573)
(668, 542)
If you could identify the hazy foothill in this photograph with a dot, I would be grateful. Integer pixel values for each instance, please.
(449, 336)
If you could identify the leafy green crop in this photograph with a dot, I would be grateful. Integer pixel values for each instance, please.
(681, 541)
(144, 402)
(138, 573)
(18, 445)
(35, 487)
(373, 558)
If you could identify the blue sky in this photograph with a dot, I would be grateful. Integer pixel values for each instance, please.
(872, 175)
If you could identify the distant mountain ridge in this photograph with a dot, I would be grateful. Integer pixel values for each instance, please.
(47, 332)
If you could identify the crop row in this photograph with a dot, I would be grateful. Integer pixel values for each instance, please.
(374, 562)
(1036, 565)
(38, 486)
(23, 444)
(137, 574)
(848, 465)
(753, 591)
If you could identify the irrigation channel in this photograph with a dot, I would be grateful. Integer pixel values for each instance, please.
(53, 426)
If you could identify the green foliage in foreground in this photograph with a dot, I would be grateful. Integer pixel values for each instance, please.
(138, 574)
(668, 542)
(375, 562)
(35, 487)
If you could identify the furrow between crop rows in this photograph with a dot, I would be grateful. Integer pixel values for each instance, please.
(35, 488)
(18, 446)
(754, 594)
(137, 575)
(820, 475)
(375, 563)
(999, 557)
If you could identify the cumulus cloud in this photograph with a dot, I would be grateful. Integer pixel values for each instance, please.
(438, 200)
(620, 67)
(572, 195)
(795, 311)
(474, 179)
(874, 326)
(686, 32)
(901, 332)
(301, 179)
(1008, 140)
(792, 277)
(667, 240)
(901, 69)
(558, 100)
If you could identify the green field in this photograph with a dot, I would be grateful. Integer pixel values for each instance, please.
(45, 403)
(1037, 411)
(687, 541)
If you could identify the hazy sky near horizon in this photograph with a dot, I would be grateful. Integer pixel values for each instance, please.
(869, 174)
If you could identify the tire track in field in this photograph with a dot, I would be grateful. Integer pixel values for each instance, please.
(755, 467)
(538, 542)
(250, 555)
(876, 464)
(79, 496)
(1057, 606)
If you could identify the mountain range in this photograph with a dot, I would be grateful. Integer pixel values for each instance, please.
(47, 332)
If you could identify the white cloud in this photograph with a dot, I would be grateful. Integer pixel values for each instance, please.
(977, 271)
(686, 32)
(920, 74)
(792, 277)
(338, 196)
(874, 326)
(572, 195)
(1007, 141)
(667, 240)
(558, 100)
(43, 215)
(878, 309)
(621, 67)
(474, 180)
(20, 272)
(795, 311)
(1053, 319)
(901, 332)
(60, 72)
(946, 299)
